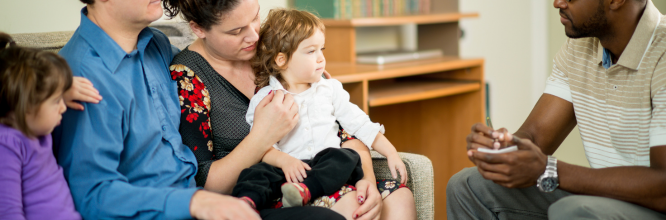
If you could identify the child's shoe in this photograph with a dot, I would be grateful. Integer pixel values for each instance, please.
(250, 202)
(295, 194)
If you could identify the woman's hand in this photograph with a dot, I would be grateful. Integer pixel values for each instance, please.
(274, 117)
(294, 170)
(82, 90)
(210, 205)
(327, 75)
(396, 164)
(369, 199)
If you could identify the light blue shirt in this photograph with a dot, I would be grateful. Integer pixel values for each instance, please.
(124, 157)
(606, 60)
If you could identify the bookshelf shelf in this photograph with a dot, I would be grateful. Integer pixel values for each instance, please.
(416, 90)
(399, 20)
(347, 72)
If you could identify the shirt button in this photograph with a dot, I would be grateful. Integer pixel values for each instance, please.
(310, 148)
(163, 127)
(153, 89)
(614, 87)
(307, 128)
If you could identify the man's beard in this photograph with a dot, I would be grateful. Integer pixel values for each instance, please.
(596, 26)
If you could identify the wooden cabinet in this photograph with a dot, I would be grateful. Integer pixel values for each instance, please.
(428, 106)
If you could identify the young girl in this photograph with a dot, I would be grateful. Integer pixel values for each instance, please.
(290, 58)
(32, 82)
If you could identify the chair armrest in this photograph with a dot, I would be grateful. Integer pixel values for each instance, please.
(420, 180)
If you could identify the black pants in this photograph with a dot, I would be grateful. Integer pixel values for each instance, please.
(331, 168)
(296, 213)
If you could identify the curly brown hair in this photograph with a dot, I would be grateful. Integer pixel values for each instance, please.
(27, 78)
(282, 32)
(204, 13)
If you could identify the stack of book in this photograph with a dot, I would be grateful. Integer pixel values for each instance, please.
(348, 9)
(386, 57)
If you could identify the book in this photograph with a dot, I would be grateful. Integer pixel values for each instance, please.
(348, 9)
(321, 8)
(385, 57)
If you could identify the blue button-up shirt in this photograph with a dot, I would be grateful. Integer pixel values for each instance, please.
(124, 157)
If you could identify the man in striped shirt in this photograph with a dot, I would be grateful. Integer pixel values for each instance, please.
(610, 80)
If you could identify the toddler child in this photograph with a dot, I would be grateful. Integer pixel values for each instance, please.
(32, 82)
(290, 58)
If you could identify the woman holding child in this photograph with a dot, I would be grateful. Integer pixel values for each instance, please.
(216, 83)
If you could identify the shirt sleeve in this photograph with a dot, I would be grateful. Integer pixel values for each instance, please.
(195, 127)
(91, 147)
(352, 118)
(11, 197)
(658, 120)
(558, 82)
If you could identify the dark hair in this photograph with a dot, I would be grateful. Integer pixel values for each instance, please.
(282, 32)
(88, 2)
(27, 78)
(204, 13)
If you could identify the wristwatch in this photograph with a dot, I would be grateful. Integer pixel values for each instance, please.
(549, 181)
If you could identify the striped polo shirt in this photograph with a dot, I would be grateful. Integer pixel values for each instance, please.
(621, 111)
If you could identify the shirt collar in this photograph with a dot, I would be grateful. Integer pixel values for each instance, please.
(110, 52)
(640, 40)
(275, 84)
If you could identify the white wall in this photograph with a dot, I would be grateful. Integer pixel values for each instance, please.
(20, 16)
(503, 38)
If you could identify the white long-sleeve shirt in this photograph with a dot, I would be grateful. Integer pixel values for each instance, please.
(319, 107)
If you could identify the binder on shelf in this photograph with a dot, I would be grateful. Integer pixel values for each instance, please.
(396, 56)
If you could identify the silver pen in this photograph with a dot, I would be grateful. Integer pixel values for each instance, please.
(515, 139)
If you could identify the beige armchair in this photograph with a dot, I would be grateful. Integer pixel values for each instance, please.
(419, 167)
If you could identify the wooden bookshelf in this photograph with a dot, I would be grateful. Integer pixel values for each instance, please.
(416, 90)
(348, 72)
(427, 106)
(399, 20)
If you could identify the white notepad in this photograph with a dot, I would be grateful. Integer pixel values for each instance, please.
(500, 151)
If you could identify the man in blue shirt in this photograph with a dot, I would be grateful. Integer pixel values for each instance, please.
(123, 157)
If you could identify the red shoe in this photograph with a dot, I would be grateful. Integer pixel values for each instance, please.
(250, 202)
(295, 194)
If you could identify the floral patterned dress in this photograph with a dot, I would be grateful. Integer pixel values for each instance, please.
(213, 120)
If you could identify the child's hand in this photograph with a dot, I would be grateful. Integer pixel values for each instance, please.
(82, 90)
(294, 170)
(395, 163)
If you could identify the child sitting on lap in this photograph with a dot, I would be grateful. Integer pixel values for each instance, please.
(32, 185)
(309, 158)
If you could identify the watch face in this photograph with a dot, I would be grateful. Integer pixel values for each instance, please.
(549, 184)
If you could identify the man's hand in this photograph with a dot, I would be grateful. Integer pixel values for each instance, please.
(370, 200)
(327, 75)
(294, 170)
(210, 205)
(516, 169)
(484, 137)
